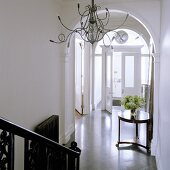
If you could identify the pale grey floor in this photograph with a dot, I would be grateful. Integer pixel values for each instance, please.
(96, 135)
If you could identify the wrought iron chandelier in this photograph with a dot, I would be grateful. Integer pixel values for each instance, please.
(92, 28)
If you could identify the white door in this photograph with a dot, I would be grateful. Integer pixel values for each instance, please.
(131, 74)
(122, 73)
(79, 75)
(108, 57)
(117, 75)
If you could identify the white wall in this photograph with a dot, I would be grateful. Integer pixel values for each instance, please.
(31, 68)
(163, 151)
(31, 83)
(69, 102)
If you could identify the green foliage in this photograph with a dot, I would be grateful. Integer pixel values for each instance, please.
(132, 102)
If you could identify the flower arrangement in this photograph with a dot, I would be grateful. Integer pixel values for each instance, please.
(132, 102)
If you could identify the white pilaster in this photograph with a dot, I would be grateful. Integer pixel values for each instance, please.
(103, 105)
(156, 104)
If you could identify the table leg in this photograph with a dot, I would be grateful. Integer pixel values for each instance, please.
(118, 133)
(147, 136)
(137, 136)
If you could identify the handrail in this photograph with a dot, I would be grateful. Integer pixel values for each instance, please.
(28, 134)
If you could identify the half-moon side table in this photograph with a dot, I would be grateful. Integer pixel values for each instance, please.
(141, 117)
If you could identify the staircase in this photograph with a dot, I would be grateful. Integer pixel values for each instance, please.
(40, 153)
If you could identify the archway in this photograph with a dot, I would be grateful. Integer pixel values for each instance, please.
(155, 47)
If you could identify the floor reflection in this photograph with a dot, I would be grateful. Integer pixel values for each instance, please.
(96, 135)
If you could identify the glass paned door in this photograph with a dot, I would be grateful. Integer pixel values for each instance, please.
(131, 74)
(108, 57)
(117, 75)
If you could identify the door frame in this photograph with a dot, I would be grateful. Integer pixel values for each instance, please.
(115, 48)
(79, 105)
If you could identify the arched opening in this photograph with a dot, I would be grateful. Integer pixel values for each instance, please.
(136, 41)
(138, 36)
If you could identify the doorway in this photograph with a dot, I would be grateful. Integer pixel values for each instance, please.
(122, 73)
(79, 75)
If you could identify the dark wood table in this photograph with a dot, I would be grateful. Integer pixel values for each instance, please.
(141, 117)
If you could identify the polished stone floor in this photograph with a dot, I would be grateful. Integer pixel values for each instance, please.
(96, 135)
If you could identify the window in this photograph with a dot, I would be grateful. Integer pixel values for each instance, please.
(129, 71)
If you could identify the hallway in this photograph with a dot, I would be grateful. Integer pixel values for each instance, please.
(96, 135)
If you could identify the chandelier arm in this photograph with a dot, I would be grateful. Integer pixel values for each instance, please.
(98, 35)
(123, 22)
(97, 40)
(69, 36)
(87, 35)
(61, 38)
(108, 30)
(82, 37)
(107, 17)
(104, 33)
(78, 5)
(55, 42)
(82, 32)
(101, 25)
(100, 21)
(98, 7)
(110, 41)
(107, 12)
(100, 38)
(69, 39)
(84, 28)
(65, 39)
(84, 24)
(82, 14)
(63, 24)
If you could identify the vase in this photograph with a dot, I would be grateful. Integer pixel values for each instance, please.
(133, 112)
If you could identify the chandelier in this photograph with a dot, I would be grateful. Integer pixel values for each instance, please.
(92, 27)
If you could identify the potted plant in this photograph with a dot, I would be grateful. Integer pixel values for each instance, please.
(132, 103)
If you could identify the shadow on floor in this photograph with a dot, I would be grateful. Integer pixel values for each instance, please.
(96, 135)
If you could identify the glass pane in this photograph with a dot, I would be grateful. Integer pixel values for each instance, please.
(98, 78)
(145, 68)
(108, 74)
(117, 72)
(129, 71)
(98, 49)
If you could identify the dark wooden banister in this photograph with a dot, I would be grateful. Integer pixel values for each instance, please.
(14, 129)
(28, 134)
